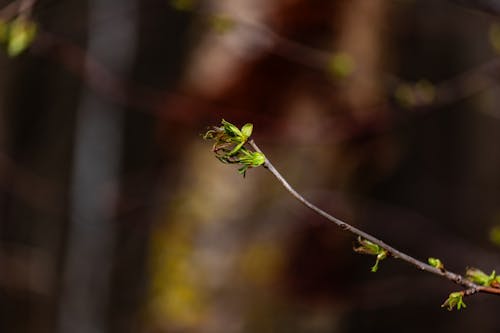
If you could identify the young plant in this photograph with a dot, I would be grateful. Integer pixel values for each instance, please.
(232, 145)
(228, 146)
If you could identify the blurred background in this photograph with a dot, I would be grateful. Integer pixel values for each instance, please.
(116, 217)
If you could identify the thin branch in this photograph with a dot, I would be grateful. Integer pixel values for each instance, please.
(454, 277)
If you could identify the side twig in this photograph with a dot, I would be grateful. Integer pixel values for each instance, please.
(471, 287)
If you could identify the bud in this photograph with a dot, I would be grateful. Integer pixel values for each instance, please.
(229, 142)
(435, 262)
(479, 277)
(370, 248)
(454, 300)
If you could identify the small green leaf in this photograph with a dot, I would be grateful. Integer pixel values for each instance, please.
(479, 277)
(236, 148)
(381, 256)
(454, 300)
(370, 248)
(247, 130)
(435, 262)
(367, 247)
(243, 170)
(231, 130)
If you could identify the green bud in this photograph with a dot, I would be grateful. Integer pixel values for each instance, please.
(435, 262)
(231, 130)
(479, 277)
(381, 256)
(247, 130)
(229, 142)
(454, 300)
(252, 159)
(370, 248)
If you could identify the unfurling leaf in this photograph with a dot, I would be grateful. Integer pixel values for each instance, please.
(229, 142)
(247, 130)
(370, 248)
(454, 300)
(435, 262)
(479, 277)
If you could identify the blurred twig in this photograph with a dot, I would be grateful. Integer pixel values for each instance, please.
(17, 7)
(487, 6)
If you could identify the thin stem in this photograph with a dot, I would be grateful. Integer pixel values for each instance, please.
(457, 278)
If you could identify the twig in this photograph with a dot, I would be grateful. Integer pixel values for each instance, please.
(471, 288)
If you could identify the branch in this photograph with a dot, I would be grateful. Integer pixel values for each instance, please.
(471, 287)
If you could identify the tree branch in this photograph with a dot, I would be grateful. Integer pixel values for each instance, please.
(471, 288)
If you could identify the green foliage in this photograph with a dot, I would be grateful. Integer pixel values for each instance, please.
(435, 262)
(17, 35)
(229, 143)
(479, 277)
(370, 248)
(454, 300)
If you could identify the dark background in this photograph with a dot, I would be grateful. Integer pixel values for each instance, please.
(116, 217)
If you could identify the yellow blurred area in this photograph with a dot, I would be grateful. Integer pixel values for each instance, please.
(261, 263)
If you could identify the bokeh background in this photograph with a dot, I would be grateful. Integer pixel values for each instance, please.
(116, 217)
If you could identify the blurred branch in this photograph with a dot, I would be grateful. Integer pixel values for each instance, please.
(488, 6)
(464, 85)
(472, 288)
(17, 7)
(147, 99)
